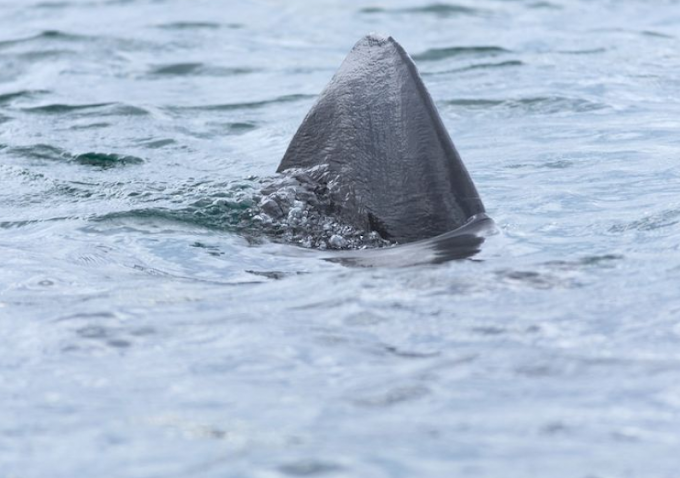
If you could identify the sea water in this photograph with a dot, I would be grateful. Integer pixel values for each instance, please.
(145, 331)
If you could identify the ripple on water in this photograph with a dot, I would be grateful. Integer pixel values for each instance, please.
(96, 331)
(198, 69)
(310, 468)
(590, 51)
(654, 34)
(390, 396)
(88, 109)
(243, 106)
(55, 5)
(238, 127)
(537, 280)
(436, 54)
(535, 105)
(49, 35)
(54, 153)
(441, 10)
(96, 125)
(45, 54)
(198, 25)
(663, 219)
(544, 6)
(8, 98)
(231, 217)
(58, 108)
(157, 143)
(105, 160)
(478, 66)
(604, 261)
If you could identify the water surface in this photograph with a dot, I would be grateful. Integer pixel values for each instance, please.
(145, 333)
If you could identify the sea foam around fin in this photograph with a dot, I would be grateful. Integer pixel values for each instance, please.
(296, 207)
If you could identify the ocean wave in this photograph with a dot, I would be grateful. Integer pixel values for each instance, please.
(88, 109)
(243, 106)
(436, 9)
(198, 69)
(535, 105)
(14, 95)
(54, 153)
(50, 35)
(478, 66)
(198, 25)
(436, 54)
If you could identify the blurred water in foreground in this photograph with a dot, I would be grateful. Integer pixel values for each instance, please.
(142, 334)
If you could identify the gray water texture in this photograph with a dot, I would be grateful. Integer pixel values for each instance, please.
(146, 332)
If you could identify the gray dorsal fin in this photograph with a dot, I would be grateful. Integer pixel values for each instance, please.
(389, 162)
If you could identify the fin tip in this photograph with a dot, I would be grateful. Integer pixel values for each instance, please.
(378, 39)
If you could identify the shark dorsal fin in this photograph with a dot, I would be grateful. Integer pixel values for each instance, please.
(391, 163)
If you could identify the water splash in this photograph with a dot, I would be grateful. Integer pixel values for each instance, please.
(294, 207)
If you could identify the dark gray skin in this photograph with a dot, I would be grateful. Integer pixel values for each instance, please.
(389, 163)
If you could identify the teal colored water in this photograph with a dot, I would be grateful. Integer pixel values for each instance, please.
(146, 332)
